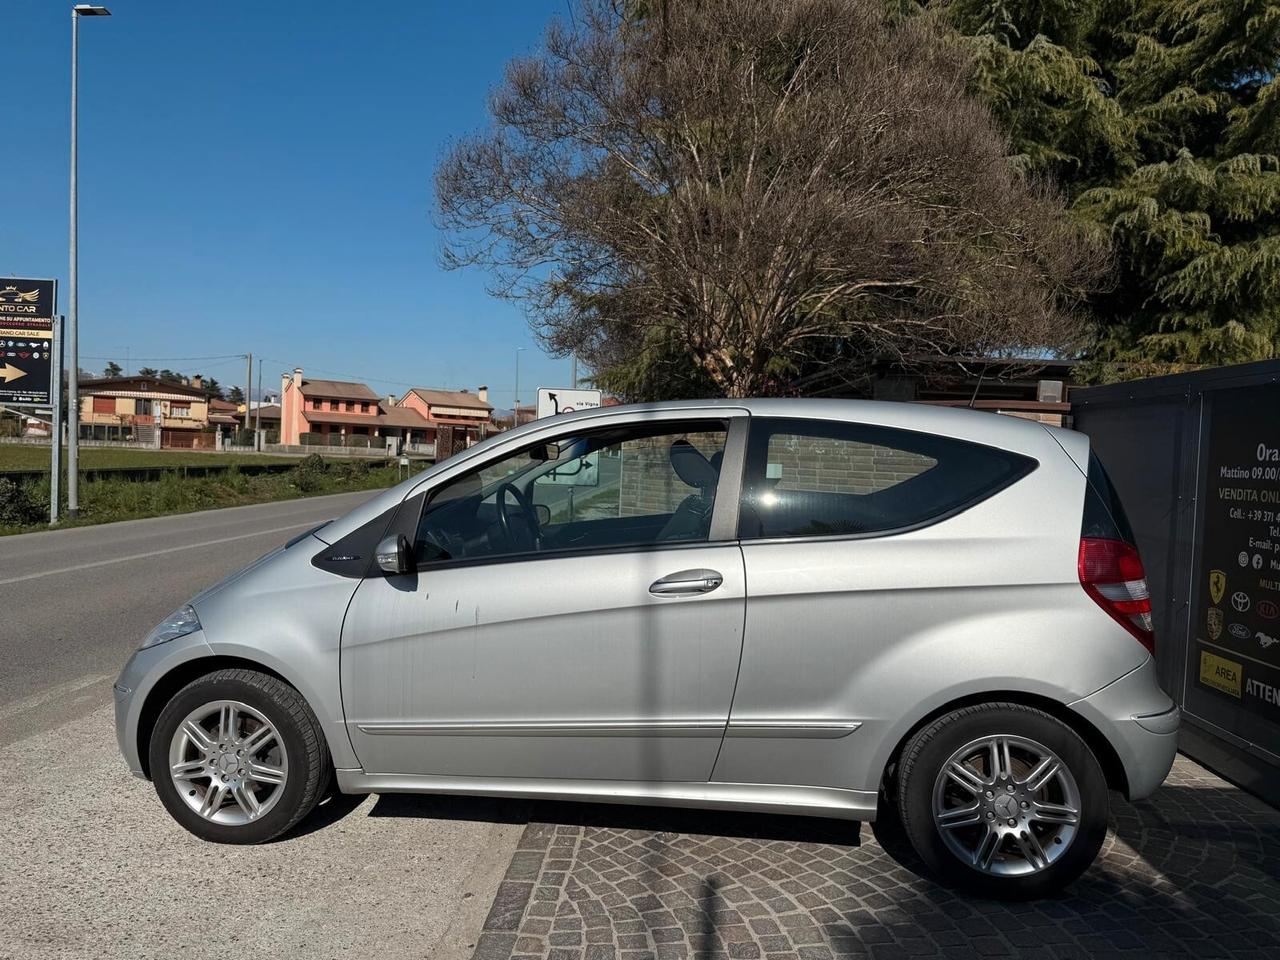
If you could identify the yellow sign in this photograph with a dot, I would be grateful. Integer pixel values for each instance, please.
(26, 333)
(1217, 585)
(1220, 673)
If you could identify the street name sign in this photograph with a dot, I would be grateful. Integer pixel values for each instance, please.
(556, 400)
(27, 311)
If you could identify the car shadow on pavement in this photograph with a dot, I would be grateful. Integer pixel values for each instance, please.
(332, 808)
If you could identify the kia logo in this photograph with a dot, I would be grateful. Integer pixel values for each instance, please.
(1240, 601)
(1240, 631)
(1268, 610)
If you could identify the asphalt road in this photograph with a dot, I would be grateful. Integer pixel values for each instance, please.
(90, 863)
(74, 603)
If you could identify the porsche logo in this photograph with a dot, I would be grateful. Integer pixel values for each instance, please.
(1215, 623)
(1217, 585)
(12, 294)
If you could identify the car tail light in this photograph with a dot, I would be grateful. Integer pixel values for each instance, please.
(1111, 573)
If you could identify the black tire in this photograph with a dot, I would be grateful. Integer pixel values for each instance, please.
(310, 766)
(922, 761)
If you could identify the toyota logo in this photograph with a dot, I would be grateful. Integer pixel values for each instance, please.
(1240, 601)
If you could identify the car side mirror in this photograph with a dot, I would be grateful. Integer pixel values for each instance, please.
(543, 512)
(545, 452)
(395, 555)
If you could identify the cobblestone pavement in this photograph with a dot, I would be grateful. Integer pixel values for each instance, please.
(1193, 871)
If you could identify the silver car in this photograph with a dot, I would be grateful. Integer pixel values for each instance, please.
(820, 607)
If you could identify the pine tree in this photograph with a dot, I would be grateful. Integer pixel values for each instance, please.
(1160, 119)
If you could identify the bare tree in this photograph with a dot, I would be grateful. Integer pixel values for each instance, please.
(739, 196)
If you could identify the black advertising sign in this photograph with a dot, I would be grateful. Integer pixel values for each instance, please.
(1236, 653)
(27, 309)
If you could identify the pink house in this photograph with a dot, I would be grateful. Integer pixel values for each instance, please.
(335, 411)
(455, 408)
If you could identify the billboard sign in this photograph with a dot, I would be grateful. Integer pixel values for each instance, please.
(557, 400)
(27, 311)
(1236, 620)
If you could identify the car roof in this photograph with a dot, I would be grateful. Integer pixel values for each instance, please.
(951, 421)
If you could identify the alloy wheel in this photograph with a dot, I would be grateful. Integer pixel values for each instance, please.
(228, 762)
(1006, 805)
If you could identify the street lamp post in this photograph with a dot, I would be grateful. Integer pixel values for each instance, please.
(515, 412)
(73, 333)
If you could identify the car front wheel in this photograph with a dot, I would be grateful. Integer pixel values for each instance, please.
(1002, 800)
(237, 756)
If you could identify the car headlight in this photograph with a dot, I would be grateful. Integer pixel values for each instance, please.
(177, 624)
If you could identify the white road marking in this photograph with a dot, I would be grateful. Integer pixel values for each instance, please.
(156, 553)
(16, 707)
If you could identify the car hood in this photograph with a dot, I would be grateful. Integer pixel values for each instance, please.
(310, 537)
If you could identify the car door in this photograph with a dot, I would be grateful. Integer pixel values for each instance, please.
(860, 541)
(606, 650)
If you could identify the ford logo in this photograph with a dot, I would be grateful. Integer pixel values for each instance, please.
(1240, 631)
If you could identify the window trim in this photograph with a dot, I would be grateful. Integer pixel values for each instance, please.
(1029, 466)
(724, 514)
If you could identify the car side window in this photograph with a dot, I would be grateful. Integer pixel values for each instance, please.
(638, 485)
(814, 478)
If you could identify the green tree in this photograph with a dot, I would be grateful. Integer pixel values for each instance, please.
(112, 370)
(148, 372)
(1160, 119)
(235, 395)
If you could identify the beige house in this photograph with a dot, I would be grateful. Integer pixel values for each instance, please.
(134, 408)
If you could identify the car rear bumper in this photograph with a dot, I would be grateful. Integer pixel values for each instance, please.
(1141, 724)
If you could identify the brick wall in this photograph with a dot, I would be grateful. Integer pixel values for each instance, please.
(648, 484)
(821, 464)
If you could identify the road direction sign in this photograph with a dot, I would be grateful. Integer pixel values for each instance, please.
(27, 309)
(554, 400)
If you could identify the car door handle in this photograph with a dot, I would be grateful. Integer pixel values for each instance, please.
(686, 583)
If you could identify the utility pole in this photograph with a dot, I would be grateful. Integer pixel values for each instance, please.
(257, 419)
(515, 412)
(73, 334)
(248, 388)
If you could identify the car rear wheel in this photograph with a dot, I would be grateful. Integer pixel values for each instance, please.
(1002, 800)
(237, 756)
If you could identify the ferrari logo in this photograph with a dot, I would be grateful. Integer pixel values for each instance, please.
(1217, 585)
(1215, 623)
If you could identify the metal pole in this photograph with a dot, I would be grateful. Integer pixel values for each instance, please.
(574, 378)
(248, 388)
(55, 430)
(515, 411)
(257, 417)
(73, 311)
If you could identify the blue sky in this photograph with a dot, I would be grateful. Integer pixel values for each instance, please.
(255, 175)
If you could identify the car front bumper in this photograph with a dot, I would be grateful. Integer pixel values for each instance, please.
(1141, 724)
(139, 677)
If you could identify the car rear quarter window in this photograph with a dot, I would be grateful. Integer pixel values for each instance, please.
(1104, 515)
(815, 478)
